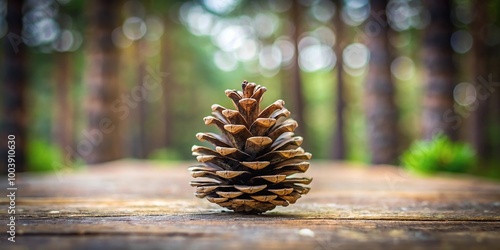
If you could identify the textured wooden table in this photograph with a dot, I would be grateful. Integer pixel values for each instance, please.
(131, 204)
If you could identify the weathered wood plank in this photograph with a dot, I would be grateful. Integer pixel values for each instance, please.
(130, 204)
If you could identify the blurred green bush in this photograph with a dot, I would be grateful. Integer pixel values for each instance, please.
(43, 156)
(439, 154)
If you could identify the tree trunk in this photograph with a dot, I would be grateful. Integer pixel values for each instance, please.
(478, 121)
(63, 124)
(438, 112)
(381, 111)
(297, 98)
(493, 142)
(339, 144)
(13, 94)
(139, 143)
(101, 141)
(168, 84)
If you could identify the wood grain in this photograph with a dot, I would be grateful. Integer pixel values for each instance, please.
(133, 204)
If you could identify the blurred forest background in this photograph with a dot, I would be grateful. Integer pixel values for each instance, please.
(93, 81)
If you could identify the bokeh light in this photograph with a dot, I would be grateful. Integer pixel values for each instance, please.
(325, 35)
(134, 28)
(316, 57)
(248, 50)
(68, 40)
(265, 24)
(355, 12)
(279, 6)
(230, 38)
(465, 94)
(463, 14)
(155, 28)
(323, 10)
(119, 39)
(355, 56)
(461, 41)
(270, 57)
(221, 6)
(287, 49)
(40, 32)
(197, 19)
(403, 68)
(225, 61)
(403, 15)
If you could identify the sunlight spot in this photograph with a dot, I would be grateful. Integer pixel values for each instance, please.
(403, 68)
(307, 41)
(199, 21)
(155, 28)
(64, 42)
(399, 15)
(221, 6)
(287, 49)
(306, 232)
(265, 24)
(316, 57)
(248, 50)
(323, 10)
(356, 3)
(325, 35)
(119, 39)
(230, 38)
(78, 40)
(46, 30)
(356, 56)
(279, 5)
(463, 13)
(461, 41)
(355, 72)
(225, 61)
(355, 12)
(134, 28)
(465, 94)
(270, 57)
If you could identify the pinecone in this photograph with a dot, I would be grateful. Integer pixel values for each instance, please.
(253, 165)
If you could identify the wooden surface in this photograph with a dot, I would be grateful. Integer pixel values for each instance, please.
(131, 204)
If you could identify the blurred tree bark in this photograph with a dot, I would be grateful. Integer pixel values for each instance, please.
(494, 64)
(438, 110)
(478, 132)
(102, 136)
(339, 143)
(168, 84)
(63, 123)
(13, 94)
(297, 97)
(381, 111)
(139, 148)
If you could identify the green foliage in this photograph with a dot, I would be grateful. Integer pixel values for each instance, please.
(439, 154)
(165, 154)
(43, 156)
